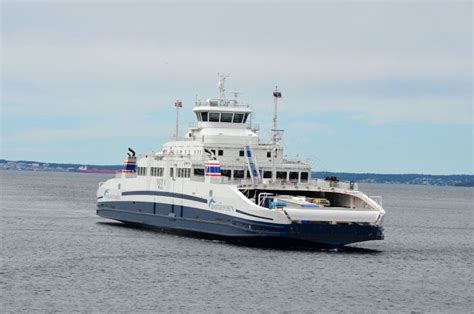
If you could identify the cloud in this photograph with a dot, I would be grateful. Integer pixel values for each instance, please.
(67, 63)
(104, 131)
(101, 78)
(382, 111)
(447, 112)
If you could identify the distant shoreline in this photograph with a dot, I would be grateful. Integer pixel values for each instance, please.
(461, 180)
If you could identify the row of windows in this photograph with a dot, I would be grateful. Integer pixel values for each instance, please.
(220, 152)
(154, 171)
(216, 152)
(187, 152)
(141, 171)
(184, 172)
(240, 174)
(157, 172)
(226, 117)
(242, 154)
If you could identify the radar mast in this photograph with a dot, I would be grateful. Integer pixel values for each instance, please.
(221, 84)
(276, 133)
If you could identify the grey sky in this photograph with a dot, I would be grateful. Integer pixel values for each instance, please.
(374, 63)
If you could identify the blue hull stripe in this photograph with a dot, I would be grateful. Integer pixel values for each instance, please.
(251, 215)
(167, 194)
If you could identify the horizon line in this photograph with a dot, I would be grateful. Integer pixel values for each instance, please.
(366, 173)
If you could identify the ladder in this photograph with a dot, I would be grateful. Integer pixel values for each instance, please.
(252, 166)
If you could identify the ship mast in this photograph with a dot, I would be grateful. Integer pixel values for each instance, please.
(221, 84)
(276, 133)
(178, 104)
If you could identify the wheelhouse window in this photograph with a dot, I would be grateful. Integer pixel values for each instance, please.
(226, 117)
(214, 116)
(204, 116)
(198, 116)
(238, 117)
(281, 175)
(267, 174)
(245, 117)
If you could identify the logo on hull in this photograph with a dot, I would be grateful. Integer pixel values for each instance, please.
(212, 204)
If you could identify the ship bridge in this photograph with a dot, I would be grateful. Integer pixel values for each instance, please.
(223, 130)
(222, 113)
(223, 120)
(224, 117)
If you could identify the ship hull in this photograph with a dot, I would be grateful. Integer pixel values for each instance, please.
(208, 224)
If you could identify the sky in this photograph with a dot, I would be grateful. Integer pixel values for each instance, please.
(375, 86)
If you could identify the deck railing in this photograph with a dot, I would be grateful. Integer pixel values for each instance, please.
(120, 175)
(377, 199)
(285, 184)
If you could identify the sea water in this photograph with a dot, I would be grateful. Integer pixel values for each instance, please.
(57, 255)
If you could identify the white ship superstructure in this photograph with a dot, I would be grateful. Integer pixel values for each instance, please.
(222, 180)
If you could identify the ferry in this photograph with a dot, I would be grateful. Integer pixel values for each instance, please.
(85, 169)
(222, 181)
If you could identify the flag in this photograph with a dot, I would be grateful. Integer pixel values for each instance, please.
(277, 94)
(178, 103)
